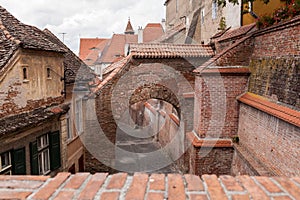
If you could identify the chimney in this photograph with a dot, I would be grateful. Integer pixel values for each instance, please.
(140, 35)
(163, 23)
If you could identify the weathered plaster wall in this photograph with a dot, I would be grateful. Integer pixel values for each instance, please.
(19, 95)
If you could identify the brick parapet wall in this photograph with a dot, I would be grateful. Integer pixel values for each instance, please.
(272, 141)
(144, 186)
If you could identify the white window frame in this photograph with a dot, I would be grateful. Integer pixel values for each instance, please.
(78, 116)
(6, 170)
(69, 126)
(43, 154)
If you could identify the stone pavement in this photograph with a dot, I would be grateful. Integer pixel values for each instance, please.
(149, 187)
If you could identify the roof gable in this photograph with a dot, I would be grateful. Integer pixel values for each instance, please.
(91, 49)
(14, 34)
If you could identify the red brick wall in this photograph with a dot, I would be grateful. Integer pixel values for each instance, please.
(220, 98)
(274, 142)
(211, 160)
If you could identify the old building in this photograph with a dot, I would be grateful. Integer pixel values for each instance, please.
(203, 19)
(32, 108)
(77, 76)
(40, 109)
(99, 53)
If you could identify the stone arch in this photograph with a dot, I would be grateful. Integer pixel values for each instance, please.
(155, 91)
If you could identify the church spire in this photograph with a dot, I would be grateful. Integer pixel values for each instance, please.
(129, 29)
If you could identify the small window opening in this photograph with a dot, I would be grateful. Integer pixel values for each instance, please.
(48, 73)
(25, 73)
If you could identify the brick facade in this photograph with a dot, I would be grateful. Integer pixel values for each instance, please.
(142, 186)
(274, 142)
(216, 107)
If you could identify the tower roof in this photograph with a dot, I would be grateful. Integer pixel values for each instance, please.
(129, 29)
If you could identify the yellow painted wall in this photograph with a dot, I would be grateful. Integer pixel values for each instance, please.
(261, 9)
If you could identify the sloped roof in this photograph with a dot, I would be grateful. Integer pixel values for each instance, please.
(90, 48)
(273, 108)
(14, 34)
(115, 68)
(152, 31)
(116, 47)
(71, 61)
(17, 122)
(231, 33)
(166, 50)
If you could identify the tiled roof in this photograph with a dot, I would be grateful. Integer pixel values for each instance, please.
(147, 186)
(231, 33)
(17, 122)
(14, 34)
(71, 61)
(152, 32)
(115, 65)
(261, 103)
(166, 50)
(90, 48)
(114, 69)
(116, 47)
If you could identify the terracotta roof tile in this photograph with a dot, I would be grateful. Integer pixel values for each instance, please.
(166, 50)
(116, 47)
(30, 119)
(91, 48)
(231, 33)
(152, 32)
(14, 34)
(114, 69)
(261, 103)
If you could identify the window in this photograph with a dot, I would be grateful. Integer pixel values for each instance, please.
(78, 116)
(5, 163)
(214, 9)
(48, 72)
(202, 16)
(69, 126)
(43, 154)
(25, 75)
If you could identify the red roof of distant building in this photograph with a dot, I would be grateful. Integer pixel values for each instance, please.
(90, 49)
(115, 48)
(152, 32)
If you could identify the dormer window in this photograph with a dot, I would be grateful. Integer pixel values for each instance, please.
(48, 73)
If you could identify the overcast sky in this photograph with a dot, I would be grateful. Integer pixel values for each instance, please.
(85, 18)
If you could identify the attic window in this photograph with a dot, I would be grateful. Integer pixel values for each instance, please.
(48, 73)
